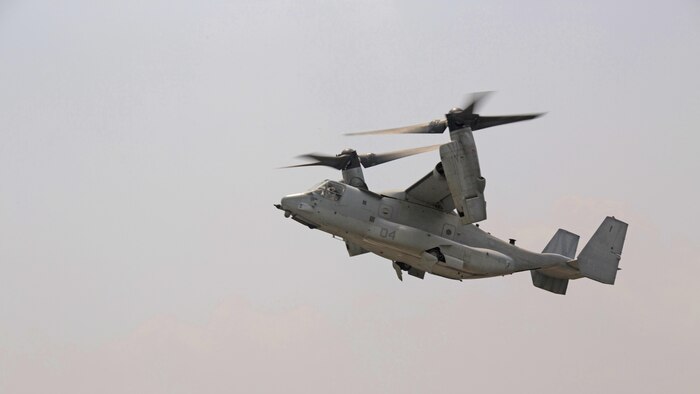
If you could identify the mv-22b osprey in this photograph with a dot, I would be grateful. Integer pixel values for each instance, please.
(431, 226)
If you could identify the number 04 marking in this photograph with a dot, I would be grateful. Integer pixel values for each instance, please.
(384, 233)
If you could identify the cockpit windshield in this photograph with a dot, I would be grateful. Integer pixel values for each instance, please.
(330, 190)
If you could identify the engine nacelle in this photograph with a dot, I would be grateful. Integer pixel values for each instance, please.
(461, 168)
(354, 177)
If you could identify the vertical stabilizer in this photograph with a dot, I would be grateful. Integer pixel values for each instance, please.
(563, 243)
(600, 258)
(546, 282)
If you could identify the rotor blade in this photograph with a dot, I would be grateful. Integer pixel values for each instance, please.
(474, 101)
(436, 126)
(371, 159)
(302, 165)
(337, 162)
(483, 122)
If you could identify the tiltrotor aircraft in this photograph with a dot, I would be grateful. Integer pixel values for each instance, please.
(432, 225)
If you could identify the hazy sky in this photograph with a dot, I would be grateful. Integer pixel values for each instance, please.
(140, 252)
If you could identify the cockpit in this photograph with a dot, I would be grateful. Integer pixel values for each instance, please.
(330, 189)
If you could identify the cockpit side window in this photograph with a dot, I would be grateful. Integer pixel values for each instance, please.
(331, 190)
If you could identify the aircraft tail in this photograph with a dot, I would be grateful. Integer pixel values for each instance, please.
(563, 243)
(600, 258)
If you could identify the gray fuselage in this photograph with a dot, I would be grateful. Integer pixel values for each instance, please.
(416, 235)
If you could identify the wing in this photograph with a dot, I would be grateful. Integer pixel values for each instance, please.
(432, 190)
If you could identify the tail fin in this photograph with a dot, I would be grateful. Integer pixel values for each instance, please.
(600, 257)
(565, 244)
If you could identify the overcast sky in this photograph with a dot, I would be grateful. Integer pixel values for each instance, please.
(140, 251)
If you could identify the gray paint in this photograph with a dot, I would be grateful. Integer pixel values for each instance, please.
(416, 232)
(600, 258)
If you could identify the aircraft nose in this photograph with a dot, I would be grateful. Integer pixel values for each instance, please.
(295, 203)
(285, 205)
(288, 202)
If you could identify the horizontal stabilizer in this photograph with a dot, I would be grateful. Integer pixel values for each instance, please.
(600, 258)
